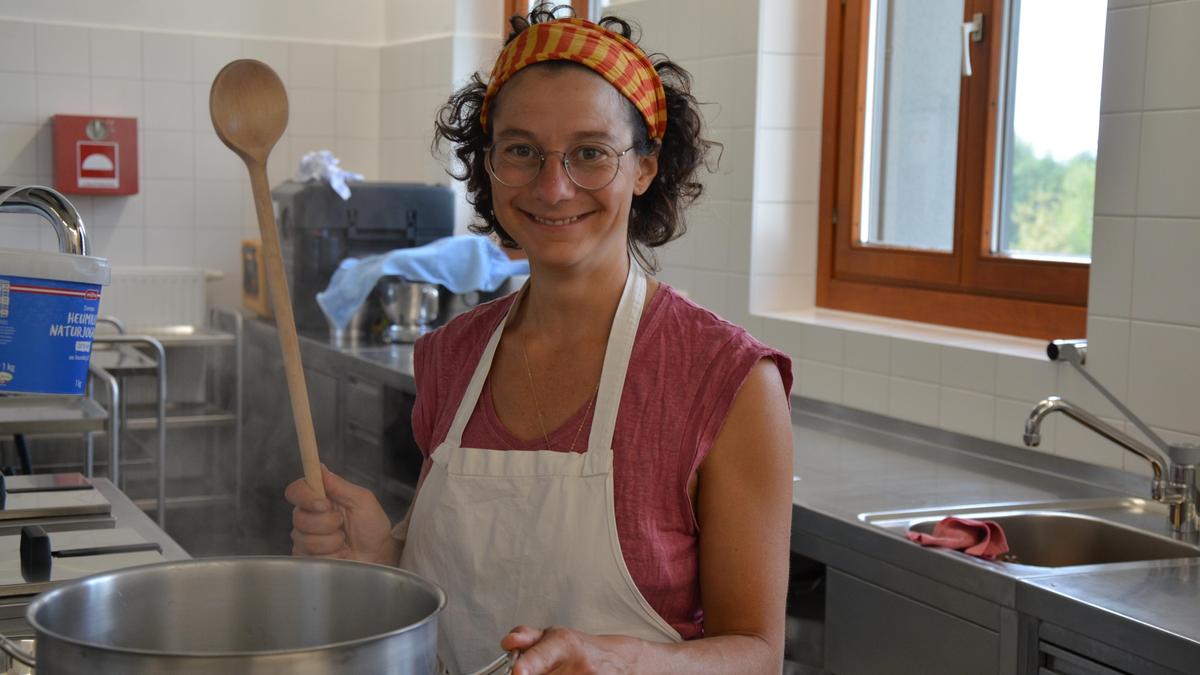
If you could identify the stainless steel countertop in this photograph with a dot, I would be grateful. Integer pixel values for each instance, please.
(389, 364)
(128, 515)
(851, 463)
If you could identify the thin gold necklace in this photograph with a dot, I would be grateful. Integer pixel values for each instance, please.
(538, 408)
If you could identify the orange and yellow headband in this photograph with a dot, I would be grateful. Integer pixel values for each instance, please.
(612, 56)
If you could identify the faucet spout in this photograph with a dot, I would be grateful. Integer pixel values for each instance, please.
(1158, 462)
(51, 205)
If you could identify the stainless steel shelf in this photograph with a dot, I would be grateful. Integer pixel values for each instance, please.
(186, 336)
(39, 414)
(122, 359)
(179, 416)
(184, 501)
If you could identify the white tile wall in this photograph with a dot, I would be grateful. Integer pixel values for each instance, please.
(63, 50)
(966, 412)
(1124, 60)
(1169, 164)
(19, 103)
(916, 360)
(116, 53)
(1164, 375)
(1116, 181)
(1172, 52)
(914, 401)
(1110, 286)
(865, 390)
(1166, 273)
(193, 206)
(969, 369)
(117, 97)
(166, 56)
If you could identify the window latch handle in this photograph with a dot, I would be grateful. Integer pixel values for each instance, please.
(972, 31)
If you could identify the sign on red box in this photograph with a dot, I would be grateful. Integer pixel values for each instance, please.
(95, 155)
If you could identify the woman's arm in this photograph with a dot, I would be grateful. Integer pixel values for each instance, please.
(744, 508)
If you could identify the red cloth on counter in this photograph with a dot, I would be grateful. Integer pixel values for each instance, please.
(686, 367)
(982, 538)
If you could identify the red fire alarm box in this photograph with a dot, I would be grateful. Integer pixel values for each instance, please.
(95, 155)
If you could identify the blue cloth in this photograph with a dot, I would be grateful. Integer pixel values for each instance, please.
(462, 264)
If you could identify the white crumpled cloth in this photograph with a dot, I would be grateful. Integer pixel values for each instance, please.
(322, 165)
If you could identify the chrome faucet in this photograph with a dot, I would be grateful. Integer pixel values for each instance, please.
(1174, 465)
(54, 207)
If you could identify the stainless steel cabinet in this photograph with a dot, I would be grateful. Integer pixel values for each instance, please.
(362, 424)
(1061, 651)
(871, 630)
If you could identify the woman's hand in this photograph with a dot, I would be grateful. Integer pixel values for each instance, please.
(348, 523)
(562, 651)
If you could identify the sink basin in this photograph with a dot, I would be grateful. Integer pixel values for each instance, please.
(1062, 534)
(1048, 539)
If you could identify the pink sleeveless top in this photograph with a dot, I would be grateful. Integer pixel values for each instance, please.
(686, 367)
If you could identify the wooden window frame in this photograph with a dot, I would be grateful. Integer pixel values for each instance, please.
(513, 7)
(970, 287)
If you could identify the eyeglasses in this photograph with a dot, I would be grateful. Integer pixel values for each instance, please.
(591, 166)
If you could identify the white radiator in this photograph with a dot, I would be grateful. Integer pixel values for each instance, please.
(153, 297)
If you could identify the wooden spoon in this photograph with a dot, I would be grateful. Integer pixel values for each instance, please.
(249, 110)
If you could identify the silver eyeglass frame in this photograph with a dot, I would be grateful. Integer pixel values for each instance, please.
(566, 164)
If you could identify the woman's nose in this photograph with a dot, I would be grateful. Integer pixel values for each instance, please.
(553, 184)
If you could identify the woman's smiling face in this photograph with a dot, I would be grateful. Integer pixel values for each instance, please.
(555, 221)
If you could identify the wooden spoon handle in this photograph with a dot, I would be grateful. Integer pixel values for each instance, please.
(285, 324)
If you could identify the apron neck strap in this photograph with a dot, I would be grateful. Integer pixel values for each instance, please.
(612, 376)
(616, 359)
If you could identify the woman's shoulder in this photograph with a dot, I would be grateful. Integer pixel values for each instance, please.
(699, 340)
(681, 317)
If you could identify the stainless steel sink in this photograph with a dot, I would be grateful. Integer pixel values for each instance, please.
(1061, 534)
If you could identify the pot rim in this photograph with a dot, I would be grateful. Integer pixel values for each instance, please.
(49, 596)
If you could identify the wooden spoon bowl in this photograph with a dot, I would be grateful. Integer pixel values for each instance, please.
(249, 110)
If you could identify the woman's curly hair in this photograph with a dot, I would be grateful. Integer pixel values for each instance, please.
(656, 216)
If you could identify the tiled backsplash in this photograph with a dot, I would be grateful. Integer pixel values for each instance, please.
(193, 206)
(371, 105)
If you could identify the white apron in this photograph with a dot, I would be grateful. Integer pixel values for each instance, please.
(530, 537)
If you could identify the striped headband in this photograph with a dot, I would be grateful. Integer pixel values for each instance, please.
(612, 56)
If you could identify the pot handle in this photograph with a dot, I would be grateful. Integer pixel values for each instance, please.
(503, 665)
(14, 650)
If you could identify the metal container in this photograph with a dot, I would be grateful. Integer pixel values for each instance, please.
(256, 615)
(412, 307)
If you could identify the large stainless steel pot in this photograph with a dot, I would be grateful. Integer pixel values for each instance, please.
(255, 615)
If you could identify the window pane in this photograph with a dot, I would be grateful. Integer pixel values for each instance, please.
(910, 130)
(1048, 179)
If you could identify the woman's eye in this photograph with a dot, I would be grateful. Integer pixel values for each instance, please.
(589, 153)
(520, 152)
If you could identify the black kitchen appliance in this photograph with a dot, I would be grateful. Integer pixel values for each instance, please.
(318, 229)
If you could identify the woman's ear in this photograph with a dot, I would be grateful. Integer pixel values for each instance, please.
(647, 169)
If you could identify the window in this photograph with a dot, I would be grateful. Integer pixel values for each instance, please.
(583, 8)
(958, 163)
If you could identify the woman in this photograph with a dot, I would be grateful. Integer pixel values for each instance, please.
(601, 454)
